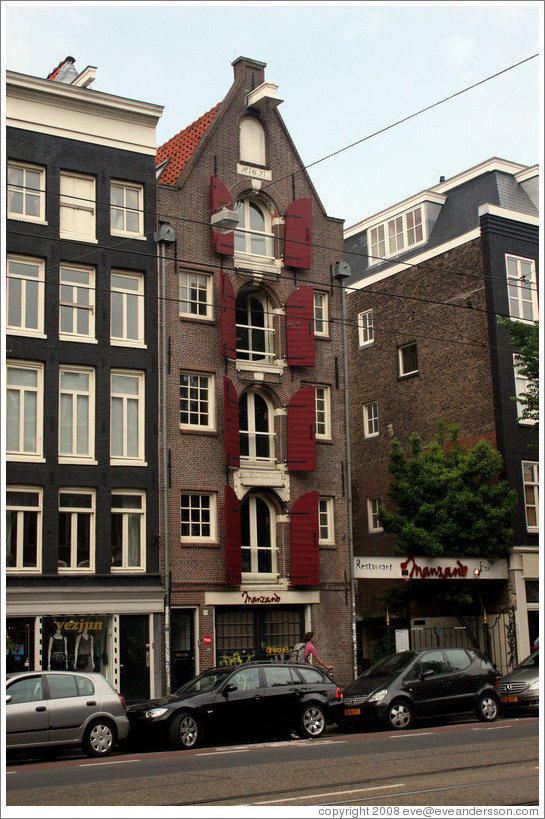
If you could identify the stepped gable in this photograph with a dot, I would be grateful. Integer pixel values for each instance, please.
(179, 148)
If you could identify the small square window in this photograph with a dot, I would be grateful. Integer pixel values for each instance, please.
(196, 401)
(26, 192)
(408, 360)
(195, 295)
(127, 209)
(197, 516)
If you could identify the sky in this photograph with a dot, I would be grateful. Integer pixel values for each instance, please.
(347, 73)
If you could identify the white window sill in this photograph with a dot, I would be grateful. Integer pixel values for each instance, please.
(258, 367)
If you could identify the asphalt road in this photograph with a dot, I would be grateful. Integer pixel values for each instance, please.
(464, 763)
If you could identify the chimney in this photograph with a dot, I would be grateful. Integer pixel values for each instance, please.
(250, 73)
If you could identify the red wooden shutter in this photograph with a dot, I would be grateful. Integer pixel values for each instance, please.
(300, 328)
(298, 234)
(302, 431)
(228, 329)
(305, 568)
(221, 198)
(231, 536)
(230, 424)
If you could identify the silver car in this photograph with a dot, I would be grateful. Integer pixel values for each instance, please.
(519, 690)
(53, 709)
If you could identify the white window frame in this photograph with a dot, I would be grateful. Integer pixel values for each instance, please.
(252, 434)
(207, 516)
(71, 303)
(124, 209)
(75, 396)
(131, 302)
(195, 295)
(25, 391)
(373, 505)
(125, 512)
(252, 353)
(26, 192)
(370, 420)
(400, 232)
(21, 510)
(247, 238)
(366, 330)
(326, 524)
(123, 400)
(252, 141)
(521, 388)
(254, 575)
(199, 398)
(402, 371)
(321, 313)
(531, 495)
(322, 398)
(26, 288)
(74, 204)
(74, 512)
(521, 288)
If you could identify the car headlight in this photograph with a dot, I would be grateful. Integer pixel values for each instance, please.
(155, 712)
(378, 696)
(534, 686)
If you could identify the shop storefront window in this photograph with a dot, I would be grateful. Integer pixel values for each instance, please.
(77, 642)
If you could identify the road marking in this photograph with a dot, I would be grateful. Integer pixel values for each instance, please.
(330, 793)
(111, 762)
(492, 728)
(411, 736)
(220, 753)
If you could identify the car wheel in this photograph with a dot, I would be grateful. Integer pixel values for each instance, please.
(400, 715)
(99, 738)
(184, 731)
(487, 708)
(312, 721)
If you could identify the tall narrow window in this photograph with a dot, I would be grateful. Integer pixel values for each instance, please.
(370, 420)
(377, 245)
(24, 411)
(25, 296)
(127, 209)
(521, 284)
(408, 359)
(76, 529)
(523, 386)
(258, 538)
(76, 414)
(366, 333)
(321, 314)
(77, 207)
(530, 477)
(253, 236)
(77, 303)
(196, 401)
(323, 411)
(26, 192)
(325, 520)
(23, 528)
(373, 507)
(127, 417)
(127, 308)
(255, 334)
(255, 428)
(195, 295)
(128, 518)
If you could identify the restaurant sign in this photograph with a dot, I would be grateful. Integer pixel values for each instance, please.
(428, 568)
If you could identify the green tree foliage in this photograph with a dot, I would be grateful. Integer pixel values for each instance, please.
(449, 499)
(525, 337)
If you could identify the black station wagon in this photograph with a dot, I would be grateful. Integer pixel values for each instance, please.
(253, 699)
(435, 682)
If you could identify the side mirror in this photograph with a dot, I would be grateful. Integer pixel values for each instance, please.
(228, 688)
(8, 698)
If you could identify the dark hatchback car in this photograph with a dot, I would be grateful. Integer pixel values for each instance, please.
(435, 682)
(519, 690)
(254, 699)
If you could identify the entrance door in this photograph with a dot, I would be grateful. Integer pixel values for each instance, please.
(182, 660)
(134, 656)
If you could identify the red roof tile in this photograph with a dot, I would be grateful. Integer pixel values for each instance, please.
(54, 73)
(179, 148)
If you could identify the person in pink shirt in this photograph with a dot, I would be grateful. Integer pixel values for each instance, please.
(310, 652)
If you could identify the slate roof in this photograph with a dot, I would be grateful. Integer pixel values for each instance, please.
(179, 148)
(458, 215)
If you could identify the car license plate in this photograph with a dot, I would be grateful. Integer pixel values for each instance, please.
(509, 699)
(352, 712)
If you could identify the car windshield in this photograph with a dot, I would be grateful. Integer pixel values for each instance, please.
(392, 664)
(531, 661)
(206, 681)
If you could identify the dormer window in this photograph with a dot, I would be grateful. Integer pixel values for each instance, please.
(252, 141)
(396, 234)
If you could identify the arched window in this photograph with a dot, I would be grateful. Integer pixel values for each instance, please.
(256, 431)
(252, 141)
(258, 537)
(255, 334)
(253, 237)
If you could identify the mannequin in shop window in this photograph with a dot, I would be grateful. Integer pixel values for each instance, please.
(57, 654)
(83, 653)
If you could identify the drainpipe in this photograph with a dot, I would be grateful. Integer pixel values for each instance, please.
(165, 235)
(342, 271)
